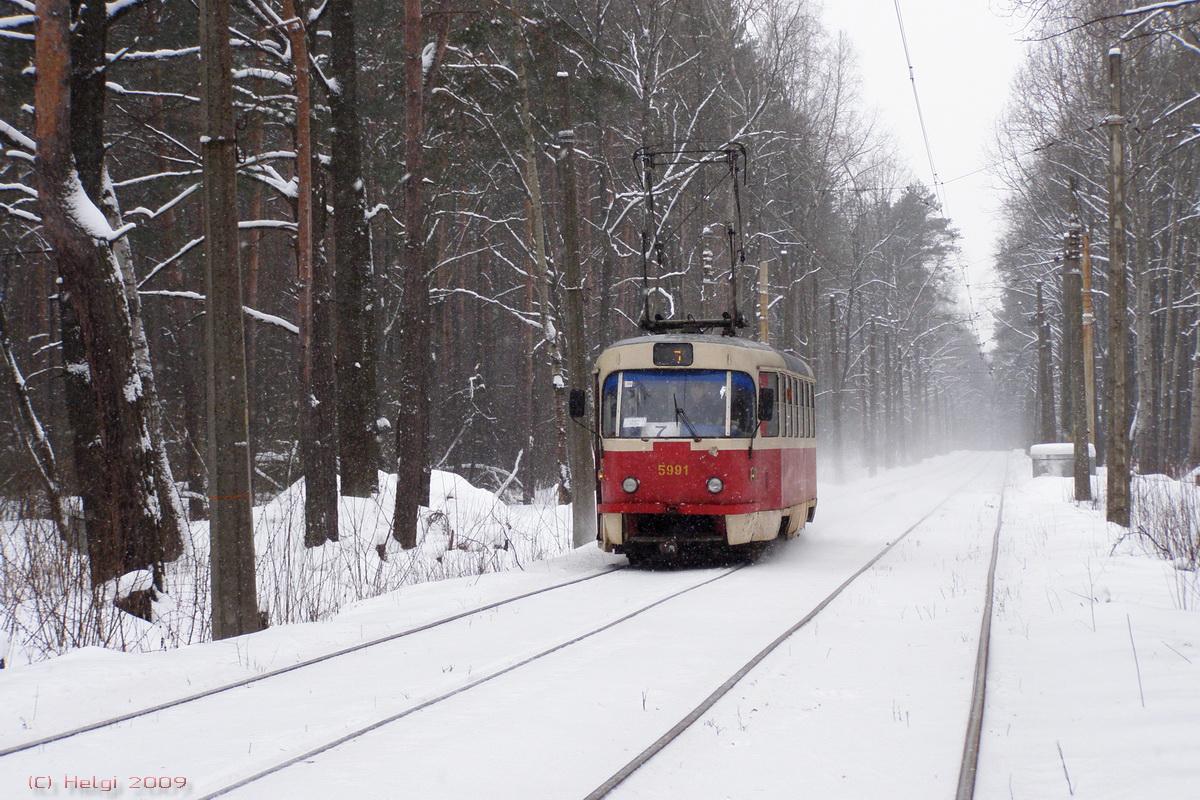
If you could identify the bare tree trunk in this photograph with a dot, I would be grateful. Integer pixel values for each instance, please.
(318, 395)
(234, 590)
(34, 436)
(358, 396)
(412, 421)
(1166, 395)
(137, 531)
(549, 327)
(1145, 434)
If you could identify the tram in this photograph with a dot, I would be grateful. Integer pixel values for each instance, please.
(704, 440)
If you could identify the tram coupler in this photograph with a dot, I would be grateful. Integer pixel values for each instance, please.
(669, 547)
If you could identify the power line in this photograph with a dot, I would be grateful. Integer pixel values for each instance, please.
(937, 184)
(912, 77)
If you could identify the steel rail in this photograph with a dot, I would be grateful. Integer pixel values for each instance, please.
(110, 721)
(105, 723)
(969, 766)
(678, 728)
(459, 690)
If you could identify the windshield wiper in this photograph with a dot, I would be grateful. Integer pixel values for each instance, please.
(679, 412)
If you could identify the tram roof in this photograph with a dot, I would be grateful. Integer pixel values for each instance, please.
(791, 362)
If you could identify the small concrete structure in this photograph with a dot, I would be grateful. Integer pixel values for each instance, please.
(1058, 458)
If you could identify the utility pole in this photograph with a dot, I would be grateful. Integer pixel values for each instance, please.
(835, 390)
(1115, 401)
(1045, 382)
(1089, 333)
(872, 403)
(764, 304)
(1073, 358)
(579, 451)
(234, 590)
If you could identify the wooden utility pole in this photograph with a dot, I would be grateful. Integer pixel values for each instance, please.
(1073, 359)
(412, 419)
(888, 440)
(872, 415)
(1115, 398)
(1045, 381)
(835, 391)
(1089, 333)
(579, 444)
(234, 590)
(764, 304)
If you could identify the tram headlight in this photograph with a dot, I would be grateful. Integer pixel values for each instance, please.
(715, 485)
(630, 484)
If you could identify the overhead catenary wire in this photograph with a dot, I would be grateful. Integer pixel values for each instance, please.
(937, 183)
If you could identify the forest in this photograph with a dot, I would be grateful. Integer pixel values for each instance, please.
(420, 221)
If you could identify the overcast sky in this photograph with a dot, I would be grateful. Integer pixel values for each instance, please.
(964, 54)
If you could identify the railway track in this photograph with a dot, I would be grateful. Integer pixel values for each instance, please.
(654, 748)
(971, 747)
(308, 662)
(507, 669)
(969, 766)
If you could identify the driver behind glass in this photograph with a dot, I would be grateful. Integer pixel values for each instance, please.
(703, 404)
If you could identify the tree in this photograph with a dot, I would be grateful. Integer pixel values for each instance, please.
(358, 397)
(234, 588)
(139, 529)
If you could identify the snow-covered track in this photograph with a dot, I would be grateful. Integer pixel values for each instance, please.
(359, 732)
(308, 662)
(970, 759)
(618, 777)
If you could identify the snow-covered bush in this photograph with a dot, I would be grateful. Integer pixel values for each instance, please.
(48, 606)
(1166, 516)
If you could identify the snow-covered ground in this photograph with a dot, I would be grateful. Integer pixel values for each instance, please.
(45, 598)
(1086, 628)
(869, 700)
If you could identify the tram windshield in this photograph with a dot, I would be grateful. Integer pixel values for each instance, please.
(677, 403)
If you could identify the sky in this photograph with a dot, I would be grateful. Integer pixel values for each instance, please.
(964, 55)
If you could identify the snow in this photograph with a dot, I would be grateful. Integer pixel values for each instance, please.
(86, 215)
(427, 56)
(133, 388)
(869, 700)
(1071, 595)
(137, 581)
(1058, 449)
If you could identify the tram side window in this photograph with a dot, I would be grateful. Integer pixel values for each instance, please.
(793, 416)
(808, 410)
(608, 406)
(803, 409)
(812, 410)
(785, 406)
(770, 380)
(742, 418)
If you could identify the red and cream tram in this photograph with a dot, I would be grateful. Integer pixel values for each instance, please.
(704, 441)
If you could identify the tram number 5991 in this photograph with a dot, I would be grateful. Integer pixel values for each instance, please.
(672, 469)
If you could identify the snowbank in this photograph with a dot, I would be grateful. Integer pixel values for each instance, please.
(46, 605)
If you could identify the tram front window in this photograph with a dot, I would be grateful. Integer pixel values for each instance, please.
(678, 403)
